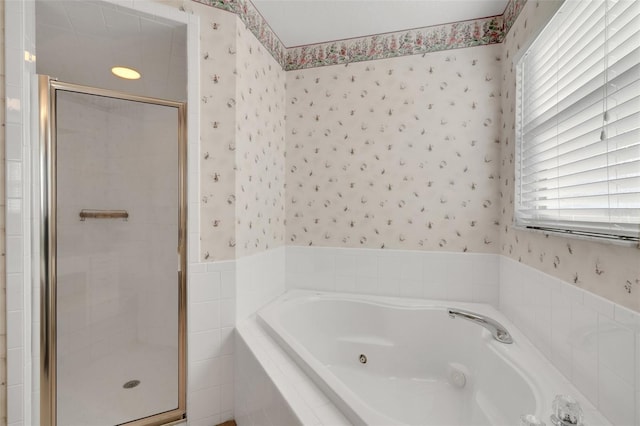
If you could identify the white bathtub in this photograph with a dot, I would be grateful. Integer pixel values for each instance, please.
(414, 350)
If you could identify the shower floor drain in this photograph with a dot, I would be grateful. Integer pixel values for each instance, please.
(131, 384)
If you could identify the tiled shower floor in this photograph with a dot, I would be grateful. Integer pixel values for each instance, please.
(93, 394)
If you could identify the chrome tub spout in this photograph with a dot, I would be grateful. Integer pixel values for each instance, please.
(497, 330)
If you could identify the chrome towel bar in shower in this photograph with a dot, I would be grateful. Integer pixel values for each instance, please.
(103, 214)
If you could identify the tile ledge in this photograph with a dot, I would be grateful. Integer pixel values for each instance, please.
(262, 345)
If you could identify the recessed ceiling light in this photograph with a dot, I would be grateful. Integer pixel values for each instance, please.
(126, 73)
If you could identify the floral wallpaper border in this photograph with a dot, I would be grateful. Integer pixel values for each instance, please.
(511, 12)
(254, 21)
(477, 32)
(413, 42)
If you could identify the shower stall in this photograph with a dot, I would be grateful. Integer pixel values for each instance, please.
(113, 265)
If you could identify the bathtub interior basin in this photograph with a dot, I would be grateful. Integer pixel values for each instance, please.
(387, 361)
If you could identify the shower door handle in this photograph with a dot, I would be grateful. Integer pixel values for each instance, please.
(103, 214)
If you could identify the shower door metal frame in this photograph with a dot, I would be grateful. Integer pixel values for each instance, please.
(48, 240)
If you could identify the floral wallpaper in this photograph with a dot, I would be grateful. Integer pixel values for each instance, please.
(395, 153)
(222, 112)
(217, 132)
(477, 32)
(608, 270)
(254, 22)
(241, 138)
(260, 147)
(398, 153)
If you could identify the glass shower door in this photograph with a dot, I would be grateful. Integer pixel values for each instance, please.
(118, 254)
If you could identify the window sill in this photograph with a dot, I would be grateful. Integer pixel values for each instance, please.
(623, 243)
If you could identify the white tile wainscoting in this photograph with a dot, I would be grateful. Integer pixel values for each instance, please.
(260, 279)
(465, 277)
(21, 319)
(592, 341)
(211, 311)
(595, 343)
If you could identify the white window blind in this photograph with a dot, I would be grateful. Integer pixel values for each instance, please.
(578, 122)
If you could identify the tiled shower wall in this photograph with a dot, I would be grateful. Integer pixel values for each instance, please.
(3, 287)
(607, 270)
(116, 278)
(17, 69)
(399, 153)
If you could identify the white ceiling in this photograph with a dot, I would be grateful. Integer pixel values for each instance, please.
(80, 41)
(299, 22)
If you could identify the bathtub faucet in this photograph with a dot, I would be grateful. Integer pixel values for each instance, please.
(497, 330)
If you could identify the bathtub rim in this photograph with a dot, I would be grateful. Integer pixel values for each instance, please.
(311, 365)
(335, 388)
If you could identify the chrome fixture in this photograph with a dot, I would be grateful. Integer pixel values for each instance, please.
(497, 330)
(566, 411)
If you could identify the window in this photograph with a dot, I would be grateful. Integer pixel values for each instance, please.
(578, 122)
